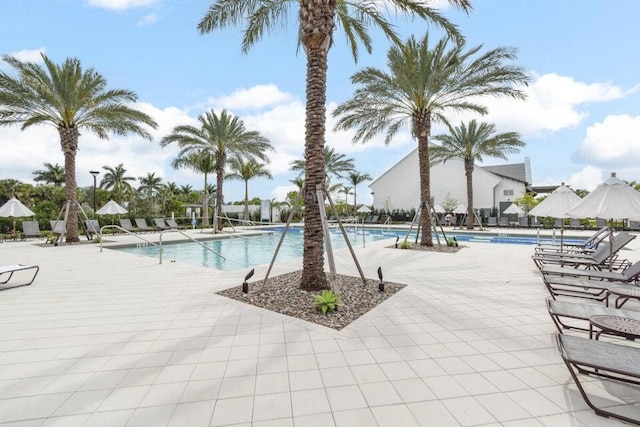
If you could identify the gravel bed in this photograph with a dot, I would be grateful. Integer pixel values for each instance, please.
(282, 294)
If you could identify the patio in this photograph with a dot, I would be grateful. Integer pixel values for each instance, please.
(116, 339)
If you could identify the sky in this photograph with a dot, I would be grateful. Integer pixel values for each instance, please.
(580, 122)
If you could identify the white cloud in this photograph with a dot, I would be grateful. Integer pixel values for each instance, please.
(280, 192)
(254, 98)
(614, 142)
(553, 103)
(120, 4)
(29, 55)
(586, 179)
(147, 20)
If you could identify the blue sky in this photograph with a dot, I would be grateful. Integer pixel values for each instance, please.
(580, 122)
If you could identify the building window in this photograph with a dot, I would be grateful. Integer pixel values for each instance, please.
(508, 192)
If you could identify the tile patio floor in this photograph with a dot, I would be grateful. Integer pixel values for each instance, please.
(112, 339)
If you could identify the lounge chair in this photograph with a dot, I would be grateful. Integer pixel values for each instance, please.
(503, 221)
(58, 226)
(590, 244)
(172, 223)
(535, 222)
(581, 311)
(373, 219)
(92, 226)
(558, 223)
(629, 274)
(523, 222)
(10, 269)
(31, 229)
(604, 360)
(125, 223)
(160, 224)
(601, 222)
(492, 221)
(604, 257)
(634, 225)
(579, 287)
(141, 224)
(575, 224)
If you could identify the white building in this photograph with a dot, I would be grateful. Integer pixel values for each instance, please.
(493, 186)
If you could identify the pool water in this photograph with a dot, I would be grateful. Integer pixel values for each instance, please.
(246, 252)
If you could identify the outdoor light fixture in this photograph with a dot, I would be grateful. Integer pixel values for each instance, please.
(381, 284)
(455, 240)
(95, 175)
(245, 285)
(397, 238)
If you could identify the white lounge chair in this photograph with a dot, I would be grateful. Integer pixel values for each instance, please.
(6, 274)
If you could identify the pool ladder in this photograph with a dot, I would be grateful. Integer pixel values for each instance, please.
(173, 230)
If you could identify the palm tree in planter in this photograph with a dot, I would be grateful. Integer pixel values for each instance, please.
(317, 20)
(51, 174)
(422, 86)
(221, 137)
(116, 180)
(470, 143)
(71, 100)
(205, 163)
(245, 171)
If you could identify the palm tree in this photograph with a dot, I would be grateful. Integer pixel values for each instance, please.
(150, 185)
(51, 174)
(116, 180)
(470, 143)
(317, 21)
(205, 163)
(220, 137)
(354, 178)
(186, 189)
(70, 99)
(246, 170)
(335, 165)
(347, 190)
(422, 86)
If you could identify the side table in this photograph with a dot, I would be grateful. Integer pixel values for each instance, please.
(615, 325)
(623, 294)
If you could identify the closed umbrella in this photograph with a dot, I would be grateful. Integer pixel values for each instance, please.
(556, 205)
(15, 209)
(111, 208)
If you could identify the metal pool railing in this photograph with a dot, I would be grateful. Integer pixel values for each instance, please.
(188, 237)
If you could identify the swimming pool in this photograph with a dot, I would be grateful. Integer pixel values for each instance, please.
(244, 252)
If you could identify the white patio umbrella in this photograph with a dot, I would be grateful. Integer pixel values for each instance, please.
(15, 209)
(460, 209)
(438, 208)
(514, 209)
(363, 209)
(613, 199)
(556, 205)
(111, 208)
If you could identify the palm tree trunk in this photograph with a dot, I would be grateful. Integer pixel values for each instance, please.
(205, 203)
(69, 143)
(317, 22)
(468, 171)
(246, 200)
(355, 206)
(422, 126)
(219, 197)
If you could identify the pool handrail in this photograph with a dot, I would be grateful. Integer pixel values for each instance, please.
(126, 231)
(173, 230)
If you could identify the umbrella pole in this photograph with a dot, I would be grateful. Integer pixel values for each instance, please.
(561, 235)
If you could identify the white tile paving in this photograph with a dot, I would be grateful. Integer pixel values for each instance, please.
(113, 339)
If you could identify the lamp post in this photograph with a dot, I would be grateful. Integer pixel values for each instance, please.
(95, 175)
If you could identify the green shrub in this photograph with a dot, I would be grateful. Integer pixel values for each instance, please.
(405, 244)
(327, 301)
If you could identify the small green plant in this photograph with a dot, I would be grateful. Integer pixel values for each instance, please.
(327, 301)
(405, 244)
(451, 242)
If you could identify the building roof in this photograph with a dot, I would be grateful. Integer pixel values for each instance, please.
(515, 171)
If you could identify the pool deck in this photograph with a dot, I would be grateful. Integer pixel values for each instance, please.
(113, 339)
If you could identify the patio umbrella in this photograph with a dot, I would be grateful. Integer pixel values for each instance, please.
(514, 209)
(439, 209)
(460, 209)
(15, 209)
(556, 205)
(363, 209)
(111, 208)
(613, 199)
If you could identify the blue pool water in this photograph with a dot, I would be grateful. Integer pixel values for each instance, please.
(245, 252)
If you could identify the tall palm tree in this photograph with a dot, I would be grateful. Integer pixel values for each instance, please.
(246, 170)
(317, 20)
(116, 180)
(354, 178)
(205, 163)
(186, 189)
(423, 85)
(150, 184)
(347, 190)
(71, 100)
(51, 174)
(470, 143)
(221, 137)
